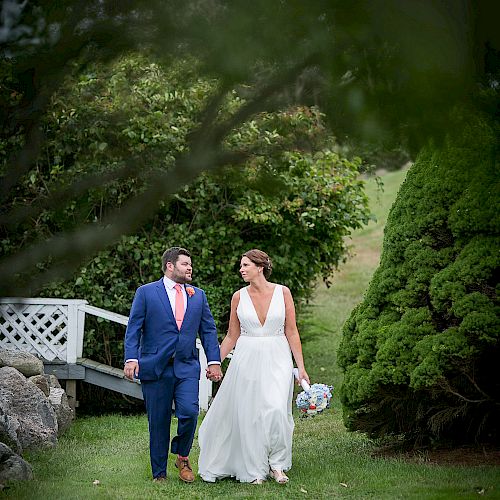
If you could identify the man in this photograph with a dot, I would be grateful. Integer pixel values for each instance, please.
(160, 349)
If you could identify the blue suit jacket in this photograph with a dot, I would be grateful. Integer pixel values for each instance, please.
(153, 338)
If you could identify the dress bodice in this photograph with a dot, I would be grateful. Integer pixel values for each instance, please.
(274, 324)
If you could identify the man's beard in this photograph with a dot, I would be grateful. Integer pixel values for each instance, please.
(181, 278)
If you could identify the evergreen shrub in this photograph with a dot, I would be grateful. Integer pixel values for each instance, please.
(421, 352)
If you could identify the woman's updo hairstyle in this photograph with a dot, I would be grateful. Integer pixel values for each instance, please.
(260, 259)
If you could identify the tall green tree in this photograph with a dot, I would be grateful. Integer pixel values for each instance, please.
(387, 70)
(293, 195)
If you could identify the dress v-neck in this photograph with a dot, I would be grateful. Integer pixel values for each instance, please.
(262, 325)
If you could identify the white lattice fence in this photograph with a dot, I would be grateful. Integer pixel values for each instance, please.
(53, 330)
(49, 328)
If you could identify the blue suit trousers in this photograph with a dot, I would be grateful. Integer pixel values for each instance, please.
(158, 396)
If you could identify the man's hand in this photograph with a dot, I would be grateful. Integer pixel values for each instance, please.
(131, 369)
(214, 373)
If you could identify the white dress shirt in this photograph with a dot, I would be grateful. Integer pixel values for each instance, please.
(171, 292)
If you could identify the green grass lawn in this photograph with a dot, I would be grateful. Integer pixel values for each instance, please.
(329, 462)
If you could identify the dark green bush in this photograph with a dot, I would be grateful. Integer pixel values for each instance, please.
(294, 197)
(421, 352)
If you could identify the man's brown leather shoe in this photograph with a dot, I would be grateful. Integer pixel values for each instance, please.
(185, 470)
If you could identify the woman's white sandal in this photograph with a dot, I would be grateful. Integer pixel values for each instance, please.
(279, 476)
(257, 481)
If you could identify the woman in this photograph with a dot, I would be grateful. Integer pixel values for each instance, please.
(247, 432)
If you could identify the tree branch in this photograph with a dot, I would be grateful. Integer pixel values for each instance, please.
(449, 389)
(259, 102)
(67, 251)
(59, 196)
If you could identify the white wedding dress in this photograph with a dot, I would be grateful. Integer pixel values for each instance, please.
(249, 425)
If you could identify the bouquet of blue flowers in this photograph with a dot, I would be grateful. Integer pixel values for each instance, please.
(314, 398)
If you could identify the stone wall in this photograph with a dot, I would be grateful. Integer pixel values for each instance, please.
(34, 411)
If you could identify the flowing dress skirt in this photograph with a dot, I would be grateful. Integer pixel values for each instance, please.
(249, 425)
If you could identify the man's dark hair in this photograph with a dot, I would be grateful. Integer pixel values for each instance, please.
(171, 255)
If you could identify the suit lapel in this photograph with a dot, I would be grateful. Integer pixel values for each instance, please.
(162, 294)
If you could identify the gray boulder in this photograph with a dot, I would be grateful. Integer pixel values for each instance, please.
(41, 382)
(24, 362)
(53, 381)
(26, 413)
(12, 466)
(64, 413)
(9, 426)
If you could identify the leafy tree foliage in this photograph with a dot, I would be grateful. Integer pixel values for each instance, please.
(420, 353)
(295, 196)
(371, 66)
(386, 71)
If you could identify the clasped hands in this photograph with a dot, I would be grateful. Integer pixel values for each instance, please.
(214, 373)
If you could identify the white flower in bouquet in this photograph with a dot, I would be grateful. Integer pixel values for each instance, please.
(314, 399)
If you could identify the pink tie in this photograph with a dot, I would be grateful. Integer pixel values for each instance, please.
(179, 305)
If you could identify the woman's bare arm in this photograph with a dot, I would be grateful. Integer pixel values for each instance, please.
(233, 332)
(292, 334)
